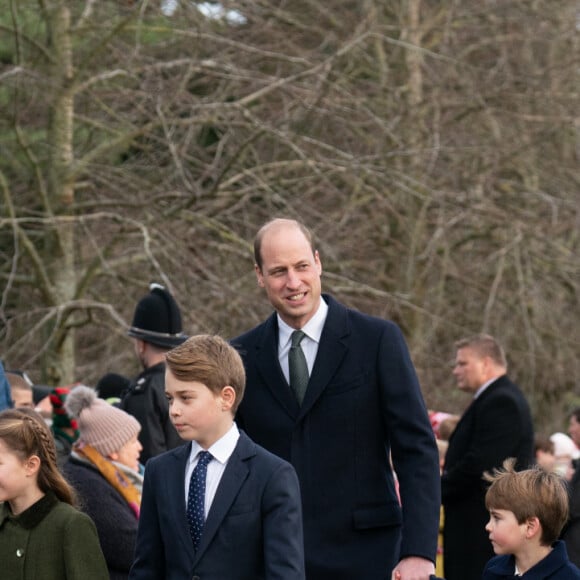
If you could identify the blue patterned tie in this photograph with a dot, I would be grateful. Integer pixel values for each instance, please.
(196, 497)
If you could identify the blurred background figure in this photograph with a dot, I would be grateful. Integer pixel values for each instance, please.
(104, 469)
(20, 390)
(544, 452)
(5, 396)
(156, 328)
(64, 429)
(41, 396)
(565, 451)
(571, 532)
(496, 425)
(111, 387)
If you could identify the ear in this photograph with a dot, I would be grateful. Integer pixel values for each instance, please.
(228, 397)
(113, 456)
(533, 527)
(32, 465)
(317, 261)
(259, 275)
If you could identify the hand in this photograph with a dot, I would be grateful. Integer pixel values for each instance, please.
(413, 568)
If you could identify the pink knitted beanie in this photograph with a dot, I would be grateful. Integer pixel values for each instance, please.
(102, 426)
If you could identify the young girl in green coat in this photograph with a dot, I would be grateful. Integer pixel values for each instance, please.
(41, 534)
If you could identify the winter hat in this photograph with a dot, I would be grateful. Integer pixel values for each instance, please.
(102, 426)
(112, 386)
(60, 418)
(563, 445)
(157, 319)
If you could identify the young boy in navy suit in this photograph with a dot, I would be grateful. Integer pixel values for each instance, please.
(527, 512)
(219, 507)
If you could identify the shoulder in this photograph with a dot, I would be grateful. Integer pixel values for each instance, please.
(168, 459)
(503, 388)
(78, 472)
(69, 517)
(499, 567)
(254, 334)
(261, 457)
(343, 320)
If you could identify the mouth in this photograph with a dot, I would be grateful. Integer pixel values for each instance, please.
(297, 297)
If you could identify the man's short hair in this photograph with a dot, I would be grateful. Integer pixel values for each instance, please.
(484, 345)
(210, 360)
(530, 493)
(260, 235)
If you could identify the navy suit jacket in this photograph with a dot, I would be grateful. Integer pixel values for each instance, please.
(497, 425)
(363, 402)
(253, 529)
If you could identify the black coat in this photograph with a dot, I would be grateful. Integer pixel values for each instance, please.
(115, 521)
(146, 401)
(497, 425)
(571, 533)
(363, 401)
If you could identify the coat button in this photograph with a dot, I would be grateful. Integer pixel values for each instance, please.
(20, 552)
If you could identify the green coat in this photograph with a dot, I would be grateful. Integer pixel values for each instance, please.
(51, 540)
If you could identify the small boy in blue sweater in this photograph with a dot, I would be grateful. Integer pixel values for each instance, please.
(527, 512)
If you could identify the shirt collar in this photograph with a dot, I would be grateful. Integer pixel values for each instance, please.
(312, 329)
(484, 387)
(222, 449)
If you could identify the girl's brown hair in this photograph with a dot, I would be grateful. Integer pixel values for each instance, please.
(25, 433)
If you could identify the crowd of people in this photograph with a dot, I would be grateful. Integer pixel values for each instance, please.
(300, 449)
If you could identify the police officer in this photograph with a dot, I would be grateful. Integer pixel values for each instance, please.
(156, 328)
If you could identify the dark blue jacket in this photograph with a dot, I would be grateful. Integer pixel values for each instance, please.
(253, 529)
(363, 403)
(555, 566)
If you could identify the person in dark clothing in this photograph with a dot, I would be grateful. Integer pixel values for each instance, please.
(156, 328)
(496, 425)
(112, 387)
(571, 532)
(338, 417)
(104, 469)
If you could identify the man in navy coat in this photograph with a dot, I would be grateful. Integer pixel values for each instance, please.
(362, 407)
(497, 425)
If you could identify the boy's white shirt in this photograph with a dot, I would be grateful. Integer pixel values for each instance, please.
(221, 451)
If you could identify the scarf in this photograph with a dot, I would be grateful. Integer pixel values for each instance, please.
(113, 475)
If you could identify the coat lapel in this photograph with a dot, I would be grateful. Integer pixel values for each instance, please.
(268, 366)
(175, 482)
(331, 352)
(233, 478)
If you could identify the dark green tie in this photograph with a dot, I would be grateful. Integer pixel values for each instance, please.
(297, 366)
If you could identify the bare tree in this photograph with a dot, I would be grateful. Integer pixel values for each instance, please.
(431, 146)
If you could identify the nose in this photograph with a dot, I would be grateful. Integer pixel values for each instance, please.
(292, 279)
(488, 526)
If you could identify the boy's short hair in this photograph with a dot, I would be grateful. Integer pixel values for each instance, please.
(543, 443)
(530, 493)
(210, 360)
